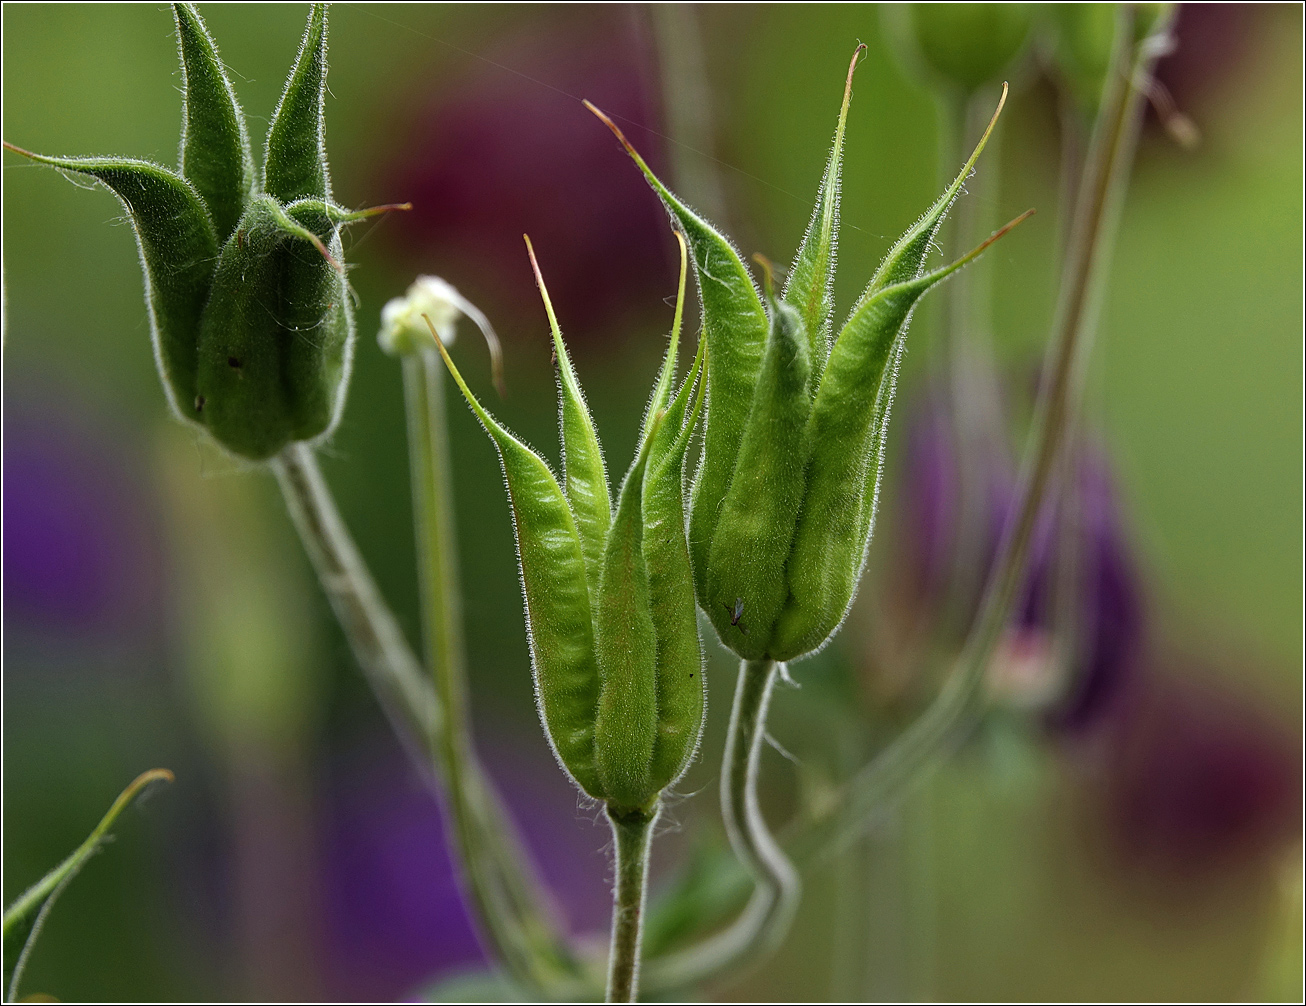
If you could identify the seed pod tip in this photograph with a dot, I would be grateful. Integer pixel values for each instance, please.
(616, 131)
(376, 211)
(544, 291)
(980, 248)
(848, 86)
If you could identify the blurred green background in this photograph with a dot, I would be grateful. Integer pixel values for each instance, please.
(158, 611)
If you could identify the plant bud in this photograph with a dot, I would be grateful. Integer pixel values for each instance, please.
(615, 651)
(756, 518)
(967, 45)
(403, 319)
(249, 309)
(434, 305)
(784, 498)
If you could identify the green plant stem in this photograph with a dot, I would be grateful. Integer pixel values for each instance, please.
(395, 674)
(632, 833)
(974, 410)
(523, 935)
(776, 887)
(510, 904)
(1100, 194)
(24, 919)
(687, 97)
(428, 457)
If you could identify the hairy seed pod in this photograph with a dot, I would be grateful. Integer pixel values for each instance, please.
(274, 342)
(784, 498)
(244, 278)
(615, 650)
(755, 523)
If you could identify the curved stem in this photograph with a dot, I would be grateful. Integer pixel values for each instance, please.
(526, 939)
(632, 833)
(395, 674)
(776, 887)
(512, 908)
(1100, 194)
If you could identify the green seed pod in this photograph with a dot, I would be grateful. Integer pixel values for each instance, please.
(784, 498)
(966, 46)
(615, 651)
(755, 523)
(249, 310)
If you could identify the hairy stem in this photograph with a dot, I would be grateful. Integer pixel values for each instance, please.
(418, 716)
(776, 888)
(512, 910)
(1100, 193)
(632, 833)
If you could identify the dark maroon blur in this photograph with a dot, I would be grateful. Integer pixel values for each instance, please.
(490, 157)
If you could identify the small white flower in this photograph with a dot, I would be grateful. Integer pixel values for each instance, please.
(404, 319)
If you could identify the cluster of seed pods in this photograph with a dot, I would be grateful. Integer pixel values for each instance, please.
(784, 497)
(253, 331)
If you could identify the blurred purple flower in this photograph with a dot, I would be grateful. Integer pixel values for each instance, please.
(81, 562)
(395, 916)
(1194, 779)
(936, 526)
(503, 151)
(1109, 630)
(394, 911)
(929, 491)
(1211, 42)
(946, 555)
